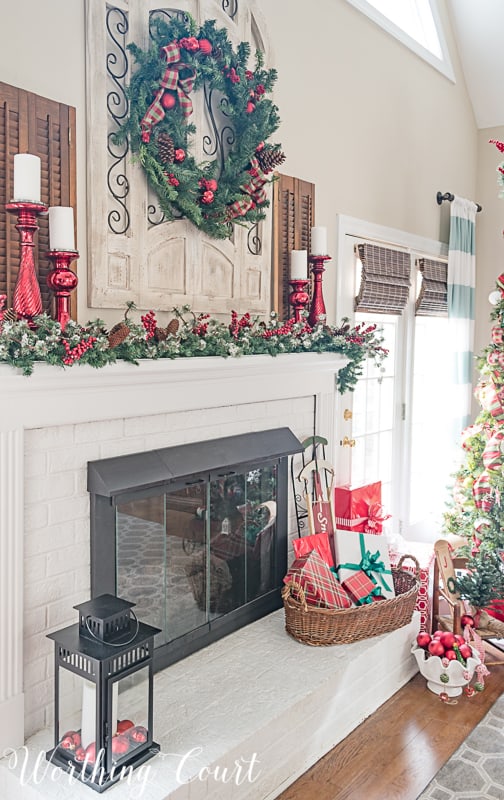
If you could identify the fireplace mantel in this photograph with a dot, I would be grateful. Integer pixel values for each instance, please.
(54, 397)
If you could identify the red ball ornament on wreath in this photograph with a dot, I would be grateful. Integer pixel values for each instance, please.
(250, 107)
(205, 47)
(207, 197)
(168, 101)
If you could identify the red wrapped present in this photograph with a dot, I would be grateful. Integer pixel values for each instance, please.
(321, 586)
(359, 508)
(362, 589)
(424, 554)
(319, 542)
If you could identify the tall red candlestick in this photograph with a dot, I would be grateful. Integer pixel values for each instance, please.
(318, 309)
(62, 281)
(27, 300)
(299, 297)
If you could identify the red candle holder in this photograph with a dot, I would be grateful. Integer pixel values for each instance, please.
(62, 281)
(299, 297)
(27, 300)
(318, 309)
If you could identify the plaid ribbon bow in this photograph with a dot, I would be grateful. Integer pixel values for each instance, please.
(253, 191)
(170, 80)
(376, 517)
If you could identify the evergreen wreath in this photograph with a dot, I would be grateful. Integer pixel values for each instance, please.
(183, 58)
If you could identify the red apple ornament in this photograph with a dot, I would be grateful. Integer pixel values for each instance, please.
(80, 754)
(90, 753)
(465, 651)
(123, 725)
(423, 639)
(466, 619)
(436, 649)
(447, 639)
(120, 745)
(138, 734)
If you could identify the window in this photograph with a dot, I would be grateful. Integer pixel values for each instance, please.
(398, 429)
(415, 23)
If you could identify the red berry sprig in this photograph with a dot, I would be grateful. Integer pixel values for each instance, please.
(237, 324)
(150, 324)
(200, 328)
(283, 330)
(75, 353)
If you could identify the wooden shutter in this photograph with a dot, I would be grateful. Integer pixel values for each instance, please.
(33, 124)
(293, 215)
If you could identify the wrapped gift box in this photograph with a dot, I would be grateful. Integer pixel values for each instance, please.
(424, 554)
(321, 586)
(362, 589)
(359, 508)
(366, 552)
(319, 542)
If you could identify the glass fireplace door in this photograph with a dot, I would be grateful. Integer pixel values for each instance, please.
(189, 556)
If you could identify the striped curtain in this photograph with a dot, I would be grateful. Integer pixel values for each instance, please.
(461, 281)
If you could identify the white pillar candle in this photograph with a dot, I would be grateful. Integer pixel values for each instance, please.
(299, 265)
(61, 228)
(26, 178)
(318, 241)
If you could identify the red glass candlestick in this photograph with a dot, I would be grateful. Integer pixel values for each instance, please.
(62, 281)
(317, 310)
(299, 297)
(27, 300)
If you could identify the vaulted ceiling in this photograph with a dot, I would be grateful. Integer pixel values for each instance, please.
(479, 29)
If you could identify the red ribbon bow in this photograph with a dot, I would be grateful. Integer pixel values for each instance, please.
(376, 516)
(171, 80)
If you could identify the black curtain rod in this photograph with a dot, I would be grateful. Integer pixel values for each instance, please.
(448, 196)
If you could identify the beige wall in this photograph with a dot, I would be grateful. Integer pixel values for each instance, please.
(376, 129)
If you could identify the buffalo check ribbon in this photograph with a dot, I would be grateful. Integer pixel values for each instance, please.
(370, 564)
(171, 80)
(253, 191)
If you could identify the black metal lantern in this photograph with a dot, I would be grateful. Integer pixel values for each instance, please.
(103, 693)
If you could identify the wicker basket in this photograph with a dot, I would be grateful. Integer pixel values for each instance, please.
(322, 626)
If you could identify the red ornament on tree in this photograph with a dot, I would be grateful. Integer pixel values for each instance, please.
(179, 154)
(250, 108)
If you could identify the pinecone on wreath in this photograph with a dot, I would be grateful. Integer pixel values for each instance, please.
(166, 148)
(269, 158)
(119, 332)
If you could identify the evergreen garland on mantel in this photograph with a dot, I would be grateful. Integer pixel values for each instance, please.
(186, 335)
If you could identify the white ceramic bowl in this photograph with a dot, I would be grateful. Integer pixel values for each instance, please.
(457, 676)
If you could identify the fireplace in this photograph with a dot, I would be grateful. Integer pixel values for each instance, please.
(195, 535)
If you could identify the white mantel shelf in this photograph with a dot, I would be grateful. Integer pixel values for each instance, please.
(53, 396)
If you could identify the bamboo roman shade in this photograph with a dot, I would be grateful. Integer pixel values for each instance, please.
(45, 128)
(432, 298)
(293, 218)
(385, 279)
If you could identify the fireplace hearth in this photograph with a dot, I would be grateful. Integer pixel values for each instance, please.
(195, 535)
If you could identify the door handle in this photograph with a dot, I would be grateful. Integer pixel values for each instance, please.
(348, 442)
(347, 414)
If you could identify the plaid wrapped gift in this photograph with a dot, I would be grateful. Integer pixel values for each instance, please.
(321, 586)
(319, 542)
(361, 588)
(424, 554)
(366, 552)
(359, 508)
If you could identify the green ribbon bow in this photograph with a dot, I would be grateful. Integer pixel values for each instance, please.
(370, 564)
(376, 592)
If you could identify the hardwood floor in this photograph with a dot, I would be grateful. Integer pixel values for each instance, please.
(396, 752)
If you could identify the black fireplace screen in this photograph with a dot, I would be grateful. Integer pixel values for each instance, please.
(201, 553)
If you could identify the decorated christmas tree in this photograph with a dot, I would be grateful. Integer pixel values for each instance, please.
(477, 507)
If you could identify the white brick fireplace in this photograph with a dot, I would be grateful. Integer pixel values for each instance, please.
(51, 424)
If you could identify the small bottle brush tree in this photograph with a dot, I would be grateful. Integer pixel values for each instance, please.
(477, 506)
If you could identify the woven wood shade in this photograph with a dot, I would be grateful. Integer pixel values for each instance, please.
(432, 299)
(385, 280)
